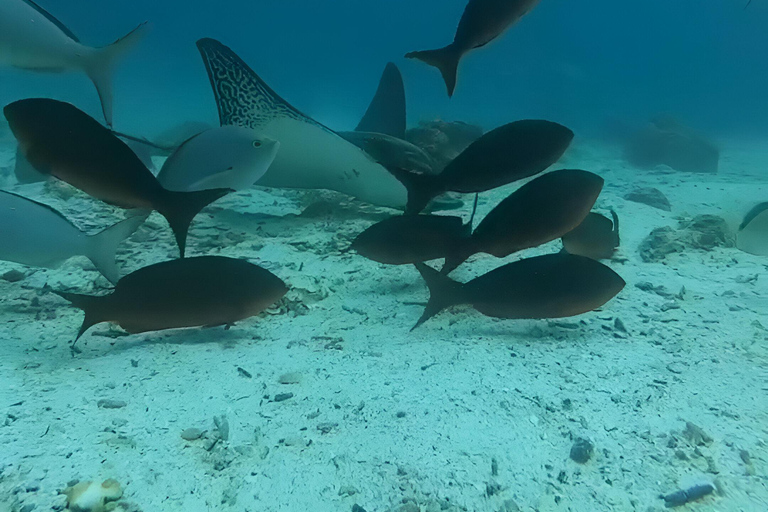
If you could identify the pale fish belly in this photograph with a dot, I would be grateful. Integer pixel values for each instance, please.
(313, 158)
(29, 40)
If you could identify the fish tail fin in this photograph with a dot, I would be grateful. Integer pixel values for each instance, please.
(422, 188)
(444, 292)
(103, 246)
(616, 226)
(445, 59)
(99, 67)
(454, 260)
(179, 208)
(92, 306)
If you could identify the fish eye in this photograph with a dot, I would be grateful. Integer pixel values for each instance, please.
(257, 144)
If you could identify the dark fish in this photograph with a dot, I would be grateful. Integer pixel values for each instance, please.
(506, 154)
(482, 22)
(191, 292)
(413, 238)
(58, 139)
(597, 237)
(551, 286)
(540, 211)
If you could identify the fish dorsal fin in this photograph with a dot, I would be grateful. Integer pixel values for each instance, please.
(242, 97)
(53, 20)
(386, 113)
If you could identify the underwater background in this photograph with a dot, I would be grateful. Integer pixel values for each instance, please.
(589, 65)
(327, 402)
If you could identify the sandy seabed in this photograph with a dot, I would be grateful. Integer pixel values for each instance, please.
(331, 402)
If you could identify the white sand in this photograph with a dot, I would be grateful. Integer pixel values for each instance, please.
(470, 389)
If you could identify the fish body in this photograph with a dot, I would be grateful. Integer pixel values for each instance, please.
(60, 140)
(597, 237)
(550, 286)
(482, 22)
(31, 38)
(225, 157)
(504, 155)
(35, 234)
(190, 292)
(542, 210)
(412, 238)
(312, 156)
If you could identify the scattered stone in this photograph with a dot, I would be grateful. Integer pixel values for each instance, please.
(679, 498)
(244, 373)
(509, 506)
(357, 508)
(703, 232)
(400, 414)
(409, 507)
(492, 488)
(443, 141)
(92, 496)
(14, 276)
(290, 378)
(494, 467)
(294, 441)
(282, 397)
(651, 197)
(347, 490)
(111, 404)
(619, 325)
(582, 450)
(326, 428)
(696, 436)
(222, 426)
(192, 434)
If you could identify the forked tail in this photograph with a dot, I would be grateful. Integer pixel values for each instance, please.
(93, 307)
(179, 208)
(103, 246)
(444, 292)
(101, 63)
(445, 59)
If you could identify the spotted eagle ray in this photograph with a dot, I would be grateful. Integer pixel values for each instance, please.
(312, 156)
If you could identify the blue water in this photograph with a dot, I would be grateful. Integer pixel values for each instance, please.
(587, 64)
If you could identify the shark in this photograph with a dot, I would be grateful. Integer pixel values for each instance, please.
(311, 156)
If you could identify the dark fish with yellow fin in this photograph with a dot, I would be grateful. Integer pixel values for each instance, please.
(192, 292)
(542, 210)
(597, 237)
(482, 22)
(551, 286)
(504, 155)
(60, 140)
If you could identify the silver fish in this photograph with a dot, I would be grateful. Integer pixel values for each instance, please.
(35, 234)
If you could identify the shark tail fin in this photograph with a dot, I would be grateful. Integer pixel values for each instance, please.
(92, 306)
(444, 292)
(179, 208)
(99, 67)
(103, 246)
(445, 59)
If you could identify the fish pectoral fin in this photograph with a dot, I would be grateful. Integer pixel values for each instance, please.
(222, 179)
